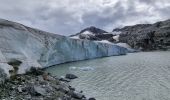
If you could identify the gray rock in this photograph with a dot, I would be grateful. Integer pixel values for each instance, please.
(92, 99)
(64, 87)
(2, 76)
(78, 95)
(64, 79)
(20, 89)
(35, 88)
(71, 76)
(40, 90)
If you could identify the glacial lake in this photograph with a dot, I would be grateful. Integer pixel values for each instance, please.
(135, 76)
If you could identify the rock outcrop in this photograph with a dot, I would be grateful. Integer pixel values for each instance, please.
(146, 36)
(22, 47)
(38, 85)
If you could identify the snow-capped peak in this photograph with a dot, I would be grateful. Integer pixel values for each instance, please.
(87, 33)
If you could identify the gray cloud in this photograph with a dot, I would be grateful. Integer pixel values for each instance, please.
(67, 17)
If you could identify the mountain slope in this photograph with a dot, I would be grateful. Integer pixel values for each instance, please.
(146, 36)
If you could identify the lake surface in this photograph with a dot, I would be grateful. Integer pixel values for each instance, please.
(136, 76)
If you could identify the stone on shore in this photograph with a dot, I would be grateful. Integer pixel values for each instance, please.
(92, 99)
(71, 76)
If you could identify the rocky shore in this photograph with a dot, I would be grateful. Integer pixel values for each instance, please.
(38, 85)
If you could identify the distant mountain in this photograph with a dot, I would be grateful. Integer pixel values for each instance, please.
(141, 36)
(146, 36)
(92, 30)
(93, 33)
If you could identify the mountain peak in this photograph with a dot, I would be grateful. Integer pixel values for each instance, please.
(94, 30)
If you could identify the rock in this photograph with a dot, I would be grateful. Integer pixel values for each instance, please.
(92, 99)
(104, 36)
(3, 75)
(64, 79)
(64, 87)
(78, 95)
(71, 88)
(40, 78)
(36, 71)
(39, 91)
(71, 76)
(28, 97)
(19, 89)
(36, 88)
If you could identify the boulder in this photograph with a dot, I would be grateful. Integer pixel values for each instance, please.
(65, 79)
(64, 87)
(39, 91)
(77, 95)
(71, 76)
(92, 99)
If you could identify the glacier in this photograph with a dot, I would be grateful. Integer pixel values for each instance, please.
(36, 48)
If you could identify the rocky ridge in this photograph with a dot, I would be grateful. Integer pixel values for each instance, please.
(146, 36)
(143, 37)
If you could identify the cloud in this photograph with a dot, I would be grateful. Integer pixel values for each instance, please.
(67, 17)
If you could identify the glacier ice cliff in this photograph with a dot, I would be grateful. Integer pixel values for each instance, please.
(36, 48)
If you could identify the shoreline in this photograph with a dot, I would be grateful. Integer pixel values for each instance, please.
(38, 85)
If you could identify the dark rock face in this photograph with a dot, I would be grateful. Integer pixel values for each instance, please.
(147, 36)
(88, 37)
(104, 36)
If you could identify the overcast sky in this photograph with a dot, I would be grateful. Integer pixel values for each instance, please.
(70, 16)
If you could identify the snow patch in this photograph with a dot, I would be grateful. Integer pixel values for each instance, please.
(128, 47)
(75, 37)
(105, 41)
(116, 32)
(125, 45)
(87, 33)
(116, 38)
